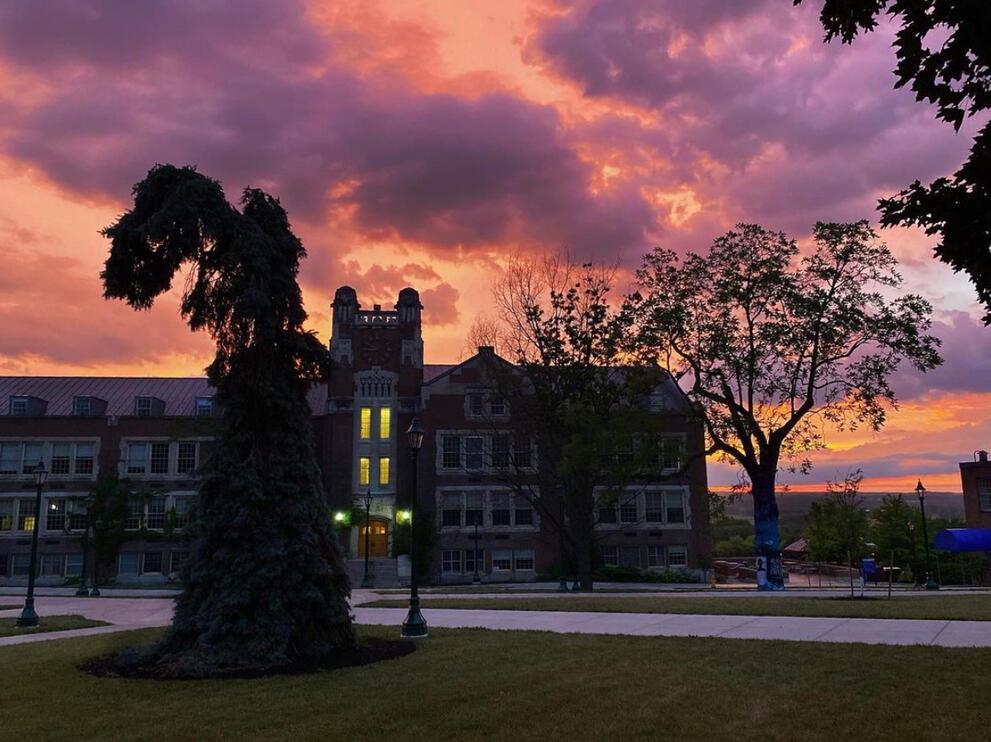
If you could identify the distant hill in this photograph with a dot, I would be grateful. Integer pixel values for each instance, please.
(794, 505)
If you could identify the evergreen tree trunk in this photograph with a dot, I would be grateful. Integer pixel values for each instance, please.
(766, 540)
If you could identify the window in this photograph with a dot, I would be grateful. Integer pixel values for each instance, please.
(185, 462)
(451, 509)
(137, 458)
(677, 556)
(10, 458)
(671, 452)
(629, 556)
(159, 458)
(364, 470)
(152, 562)
(55, 515)
(82, 406)
(521, 452)
(473, 509)
(142, 406)
(473, 452)
(73, 564)
(127, 563)
(500, 451)
(655, 507)
(84, 458)
(25, 515)
(61, 455)
(365, 429)
(204, 407)
(6, 515)
(624, 449)
(21, 565)
(450, 561)
(18, 405)
(451, 452)
(502, 560)
(524, 516)
(655, 555)
(78, 519)
(628, 510)
(523, 559)
(984, 494)
(385, 423)
(3, 565)
(384, 470)
(32, 455)
(156, 513)
(476, 405)
(177, 559)
(51, 565)
(181, 511)
(471, 556)
(497, 406)
(607, 514)
(135, 513)
(500, 509)
(675, 507)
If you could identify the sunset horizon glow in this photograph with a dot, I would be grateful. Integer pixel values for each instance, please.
(421, 143)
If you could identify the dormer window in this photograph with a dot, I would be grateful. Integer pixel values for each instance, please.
(19, 406)
(142, 406)
(204, 406)
(82, 406)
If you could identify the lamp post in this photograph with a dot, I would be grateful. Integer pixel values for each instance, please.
(414, 627)
(97, 526)
(28, 616)
(562, 586)
(476, 579)
(931, 584)
(366, 581)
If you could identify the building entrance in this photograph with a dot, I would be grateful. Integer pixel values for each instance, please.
(378, 538)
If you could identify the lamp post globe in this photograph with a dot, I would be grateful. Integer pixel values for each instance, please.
(28, 617)
(931, 583)
(414, 627)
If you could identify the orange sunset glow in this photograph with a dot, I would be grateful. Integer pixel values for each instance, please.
(421, 143)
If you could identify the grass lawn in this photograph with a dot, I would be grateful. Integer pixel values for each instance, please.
(478, 684)
(48, 623)
(962, 607)
(10, 607)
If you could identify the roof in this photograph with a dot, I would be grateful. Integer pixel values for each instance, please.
(432, 370)
(797, 547)
(963, 539)
(178, 393)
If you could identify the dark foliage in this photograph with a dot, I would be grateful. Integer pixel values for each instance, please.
(955, 75)
(265, 583)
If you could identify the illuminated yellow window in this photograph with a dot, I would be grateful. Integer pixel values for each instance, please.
(384, 470)
(385, 418)
(366, 423)
(364, 465)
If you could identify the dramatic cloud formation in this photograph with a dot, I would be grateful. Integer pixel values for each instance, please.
(419, 144)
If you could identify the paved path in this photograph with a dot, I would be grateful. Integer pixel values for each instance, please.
(129, 613)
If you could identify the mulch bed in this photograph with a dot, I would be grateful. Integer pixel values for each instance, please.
(373, 650)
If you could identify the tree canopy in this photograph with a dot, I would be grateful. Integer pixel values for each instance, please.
(771, 348)
(943, 54)
(265, 583)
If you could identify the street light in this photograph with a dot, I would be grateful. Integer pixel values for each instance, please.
(366, 581)
(414, 627)
(931, 583)
(476, 578)
(28, 616)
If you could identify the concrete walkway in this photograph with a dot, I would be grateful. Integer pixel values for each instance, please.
(129, 613)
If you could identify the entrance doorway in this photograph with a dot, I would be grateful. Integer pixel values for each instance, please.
(378, 538)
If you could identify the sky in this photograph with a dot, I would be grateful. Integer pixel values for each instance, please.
(420, 143)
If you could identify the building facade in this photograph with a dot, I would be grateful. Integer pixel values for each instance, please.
(156, 432)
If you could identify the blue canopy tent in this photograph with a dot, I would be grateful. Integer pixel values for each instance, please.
(963, 539)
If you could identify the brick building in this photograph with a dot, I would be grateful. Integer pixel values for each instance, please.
(975, 477)
(156, 431)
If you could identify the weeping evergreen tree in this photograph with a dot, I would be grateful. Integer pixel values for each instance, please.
(265, 583)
